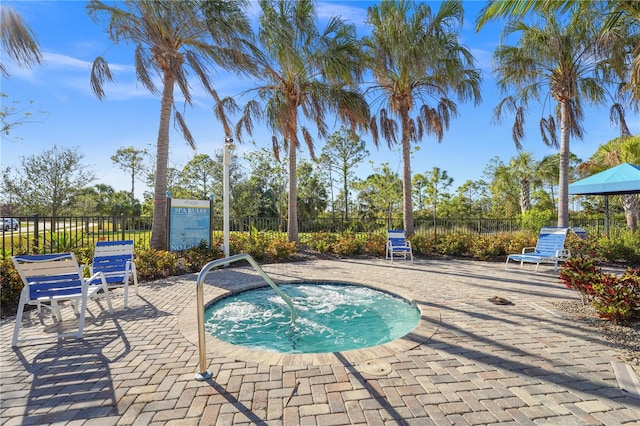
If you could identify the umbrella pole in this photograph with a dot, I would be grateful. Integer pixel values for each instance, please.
(606, 215)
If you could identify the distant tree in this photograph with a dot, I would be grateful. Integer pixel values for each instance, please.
(419, 67)
(380, 195)
(343, 151)
(418, 188)
(197, 177)
(268, 180)
(14, 116)
(473, 196)
(17, 40)
(312, 193)
(175, 40)
(47, 183)
(505, 191)
(437, 182)
(130, 160)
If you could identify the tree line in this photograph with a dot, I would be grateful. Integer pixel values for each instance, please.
(58, 182)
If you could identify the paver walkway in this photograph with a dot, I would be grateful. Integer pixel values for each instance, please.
(474, 362)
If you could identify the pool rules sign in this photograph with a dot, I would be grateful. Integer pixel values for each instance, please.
(189, 223)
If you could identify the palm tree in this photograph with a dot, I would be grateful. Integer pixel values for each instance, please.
(171, 38)
(18, 41)
(556, 61)
(615, 152)
(622, 17)
(302, 73)
(524, 168)
(417, 62)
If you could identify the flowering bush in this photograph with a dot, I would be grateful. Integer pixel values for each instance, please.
(618, 297)
(347, 245)
(375, 245)
(580, 274)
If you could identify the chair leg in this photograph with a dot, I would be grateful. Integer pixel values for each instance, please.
(16, 329)
(134, 273)
(83, 309)
(126, 290)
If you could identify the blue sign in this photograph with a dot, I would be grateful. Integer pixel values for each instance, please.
(189, 224)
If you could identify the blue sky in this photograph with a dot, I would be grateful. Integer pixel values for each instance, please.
(70, 41)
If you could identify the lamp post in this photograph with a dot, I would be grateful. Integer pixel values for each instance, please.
(226, 161)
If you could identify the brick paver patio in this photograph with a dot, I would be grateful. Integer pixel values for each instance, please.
(470, 362)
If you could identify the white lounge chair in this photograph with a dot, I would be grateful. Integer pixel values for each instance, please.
(52, 278)
(398, 245)
(115, 260)
(548, 249)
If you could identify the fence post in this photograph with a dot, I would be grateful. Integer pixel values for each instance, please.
(122, 225)
(36, 231)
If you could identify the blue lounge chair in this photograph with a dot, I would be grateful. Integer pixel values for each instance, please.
(398, 245)
(52, 278)
(115, 260)
(549, 249)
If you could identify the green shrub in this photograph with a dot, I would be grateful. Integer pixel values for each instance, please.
(424, 245)
(453, 244)
(624, 248)
(347, 245)
(375, 245)
(194, 259)
(533, 220)
(514, 243)
(63, 242)
(281, 248)
(487, 247)
(10, 286)
(153, 264)
(321, 241)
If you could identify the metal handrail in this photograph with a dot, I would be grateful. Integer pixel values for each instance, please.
(204, 373)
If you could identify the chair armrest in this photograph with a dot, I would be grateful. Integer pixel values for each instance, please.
(528, 250)
(563, 254)
(82, 268)
(96, 276)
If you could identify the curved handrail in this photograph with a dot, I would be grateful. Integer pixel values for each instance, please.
(204, 372)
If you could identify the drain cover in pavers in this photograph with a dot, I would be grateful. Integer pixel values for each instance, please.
(627, 379)
(376, 367)
(500, 301)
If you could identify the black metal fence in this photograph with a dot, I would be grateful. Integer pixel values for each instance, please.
(55, 234)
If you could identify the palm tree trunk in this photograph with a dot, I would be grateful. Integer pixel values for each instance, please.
(292, 224)
(630, 205)
(407, 204)
(525, 196)
(563, 183)
(159, 224)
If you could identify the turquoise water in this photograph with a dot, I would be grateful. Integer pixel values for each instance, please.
(331, 317)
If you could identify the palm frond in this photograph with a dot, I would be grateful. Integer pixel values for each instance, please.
(143, 63)
(182, 126)
(548, 131)
(100, 73)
